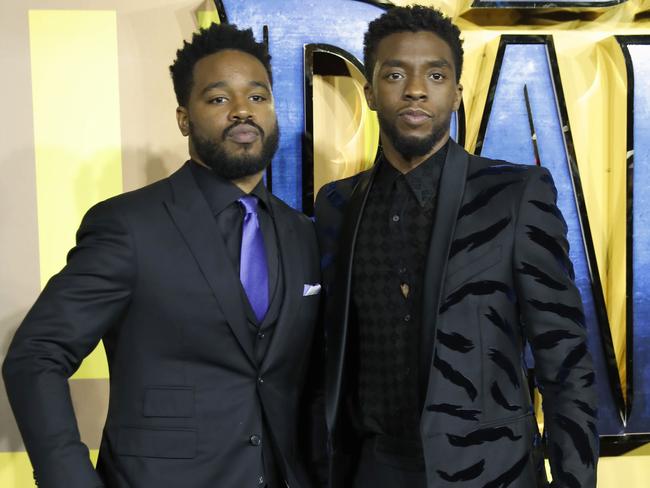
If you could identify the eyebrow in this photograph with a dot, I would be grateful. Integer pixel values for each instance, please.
(396, 63)
(223, 84)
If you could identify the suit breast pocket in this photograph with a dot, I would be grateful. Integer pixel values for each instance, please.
(465, 271)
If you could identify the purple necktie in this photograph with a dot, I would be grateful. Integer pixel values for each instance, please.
(253, 270)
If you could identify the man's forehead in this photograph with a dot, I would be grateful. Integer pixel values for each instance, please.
(225, 65)
(230, 59)
(225, 85)
(411, 43)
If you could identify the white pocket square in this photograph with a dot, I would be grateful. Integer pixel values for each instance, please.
(309, 290)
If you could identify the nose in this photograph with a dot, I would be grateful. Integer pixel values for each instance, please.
(415, 89)
(241, 110)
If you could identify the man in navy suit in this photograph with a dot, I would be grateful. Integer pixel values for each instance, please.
(204, 289)
(439, 266)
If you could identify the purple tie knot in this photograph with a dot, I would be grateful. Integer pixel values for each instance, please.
(249, 202)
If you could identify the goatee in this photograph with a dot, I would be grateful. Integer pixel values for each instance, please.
(412, 147)
(233, 167)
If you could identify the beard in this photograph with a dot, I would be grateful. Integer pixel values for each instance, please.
(409, 146)
(230, 166)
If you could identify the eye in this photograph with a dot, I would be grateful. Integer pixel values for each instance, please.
(394, 76)
(437, 76)
(257, 98)
(218, 100)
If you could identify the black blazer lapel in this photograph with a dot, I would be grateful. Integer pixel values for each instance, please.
(338, 311)
(191, 214)
(450, 195)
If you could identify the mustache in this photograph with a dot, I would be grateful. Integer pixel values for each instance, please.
(237, 124)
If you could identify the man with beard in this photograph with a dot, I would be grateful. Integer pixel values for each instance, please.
(439, 266)
(204, 289)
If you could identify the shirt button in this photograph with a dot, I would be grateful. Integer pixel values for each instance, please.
(255, 440)
(407, 317)
(395, 218)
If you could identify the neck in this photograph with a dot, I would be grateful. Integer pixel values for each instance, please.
(245, 184)
(404, 164)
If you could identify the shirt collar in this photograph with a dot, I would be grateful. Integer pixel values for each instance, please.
(220, 192)
(422, 180)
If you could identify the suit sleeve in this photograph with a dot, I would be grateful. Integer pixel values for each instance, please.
(554, 323)
(318, 457)
(328, 216)
(76, 309)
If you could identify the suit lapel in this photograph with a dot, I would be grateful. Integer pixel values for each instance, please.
(193, 218)
(450, 195)
(338, 312)
(292, 273)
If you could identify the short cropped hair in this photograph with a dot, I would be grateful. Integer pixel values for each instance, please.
(208, 41)
(415, 18)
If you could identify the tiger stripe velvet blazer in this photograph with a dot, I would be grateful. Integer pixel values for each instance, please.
(497, 276)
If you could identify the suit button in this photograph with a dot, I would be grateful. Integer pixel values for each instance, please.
(260, 380)
(407, 318)
(255, 440)
(261, 335)
(260, 480)
(395, 218)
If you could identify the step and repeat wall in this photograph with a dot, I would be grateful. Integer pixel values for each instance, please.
(90, 113)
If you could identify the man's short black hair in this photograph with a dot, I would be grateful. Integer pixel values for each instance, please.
(415, 18)
(208, 41)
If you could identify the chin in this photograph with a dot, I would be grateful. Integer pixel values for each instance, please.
(419, 133)
(246, 153)
(414, 139)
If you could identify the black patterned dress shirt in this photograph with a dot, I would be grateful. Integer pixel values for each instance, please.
(388, 274)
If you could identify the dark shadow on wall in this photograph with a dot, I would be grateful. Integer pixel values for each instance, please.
(143, 166)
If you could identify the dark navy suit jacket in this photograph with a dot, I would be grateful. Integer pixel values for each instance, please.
(151, 277)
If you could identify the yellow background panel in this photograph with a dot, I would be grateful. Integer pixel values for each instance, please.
(207, 14)
(595, 86)
(75, 94)
(631, 470)
(349, 146)
(205, 18)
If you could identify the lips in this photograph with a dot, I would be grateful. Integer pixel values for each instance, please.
(414, 117)
(243, 134)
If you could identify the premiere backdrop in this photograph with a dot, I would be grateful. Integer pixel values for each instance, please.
(89, 113)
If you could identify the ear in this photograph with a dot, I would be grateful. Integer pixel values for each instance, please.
(183, 120)
(370, 96)
(459, 96)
